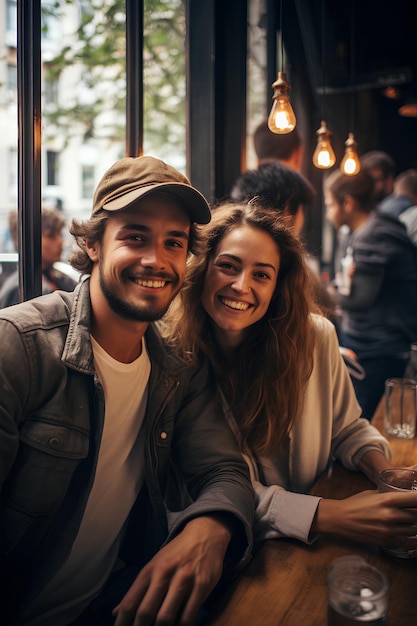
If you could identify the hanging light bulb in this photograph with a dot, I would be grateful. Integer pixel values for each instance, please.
(350, 164)
(324, 156)
(281, 118)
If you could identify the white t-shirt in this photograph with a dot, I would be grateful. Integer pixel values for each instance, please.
(118, 480)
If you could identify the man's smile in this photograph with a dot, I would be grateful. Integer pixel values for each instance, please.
(151, 283)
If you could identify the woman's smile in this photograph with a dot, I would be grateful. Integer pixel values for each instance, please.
(236, 305)
(241, 279)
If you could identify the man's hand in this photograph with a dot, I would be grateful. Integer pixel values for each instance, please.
(173, 585)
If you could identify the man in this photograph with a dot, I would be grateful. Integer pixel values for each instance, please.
(51, 249)
(97, 418)
(276, 186)
(379, 313)
(286, 149)
(402, 203)
(381, 167)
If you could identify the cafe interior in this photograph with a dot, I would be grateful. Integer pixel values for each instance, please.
(349, 64)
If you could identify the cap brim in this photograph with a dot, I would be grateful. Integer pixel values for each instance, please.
(194, 201)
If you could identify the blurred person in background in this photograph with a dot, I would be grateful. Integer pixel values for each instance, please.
(402, 203)
(286, 149)
(381, 167)
(52, 243)
(379, 310)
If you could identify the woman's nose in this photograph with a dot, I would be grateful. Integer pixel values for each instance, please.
(241, 283)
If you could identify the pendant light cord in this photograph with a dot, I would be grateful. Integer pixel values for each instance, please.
(352, 62)
(322, 60)
(282, 37)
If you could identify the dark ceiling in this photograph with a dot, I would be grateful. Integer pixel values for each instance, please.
(361, 72)
(379, 35)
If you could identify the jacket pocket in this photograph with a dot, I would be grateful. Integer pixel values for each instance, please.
(47, 458)
(55, 439)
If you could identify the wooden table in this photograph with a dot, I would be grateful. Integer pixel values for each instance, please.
(285, 583)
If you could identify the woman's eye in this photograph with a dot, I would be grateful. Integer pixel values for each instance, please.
(226, 266)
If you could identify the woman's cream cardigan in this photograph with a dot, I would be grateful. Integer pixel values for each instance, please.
(328, 426)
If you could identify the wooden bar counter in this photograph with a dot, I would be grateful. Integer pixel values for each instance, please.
(285, 583)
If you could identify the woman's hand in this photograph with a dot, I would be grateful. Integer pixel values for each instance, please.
(370, 517)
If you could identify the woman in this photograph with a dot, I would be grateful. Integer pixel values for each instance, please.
(286, 391)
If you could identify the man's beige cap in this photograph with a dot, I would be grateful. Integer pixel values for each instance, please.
(132, 178)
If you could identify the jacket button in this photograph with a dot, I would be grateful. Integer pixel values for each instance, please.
(165, 382)
(163, 435)
(54, 442)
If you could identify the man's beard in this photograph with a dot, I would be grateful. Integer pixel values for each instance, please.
(129, 311)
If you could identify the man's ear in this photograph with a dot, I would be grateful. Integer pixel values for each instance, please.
(93, 249)
(349, 203)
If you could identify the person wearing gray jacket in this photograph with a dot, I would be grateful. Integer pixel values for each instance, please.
(97, 418)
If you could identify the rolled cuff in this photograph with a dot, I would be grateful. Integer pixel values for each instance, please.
(281, 513)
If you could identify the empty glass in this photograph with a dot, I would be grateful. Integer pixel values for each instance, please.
(357, 593)
(400, 407)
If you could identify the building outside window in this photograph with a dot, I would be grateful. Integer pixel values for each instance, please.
(10, 10)
(88, 181)
(11, 15)
(12, 175)
(11, 83)
(50, 92)
(50, 22)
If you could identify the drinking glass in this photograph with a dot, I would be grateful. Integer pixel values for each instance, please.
(400, 480)
(357, 593)
(400, 407)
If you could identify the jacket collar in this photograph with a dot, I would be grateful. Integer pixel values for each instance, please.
(78, 353)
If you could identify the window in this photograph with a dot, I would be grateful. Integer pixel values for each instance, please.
(12, 174)
(52, 167)
(11, 15)
(50, 91)
(86, 10)
(50, 26)
(164, 81)
(88, 181)
(11, 83)
(11, 24)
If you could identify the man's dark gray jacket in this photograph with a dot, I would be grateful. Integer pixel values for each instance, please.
(51, 421)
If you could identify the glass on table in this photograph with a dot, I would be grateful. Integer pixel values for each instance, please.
(357, 593)
(400, 480)
(400, 407)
